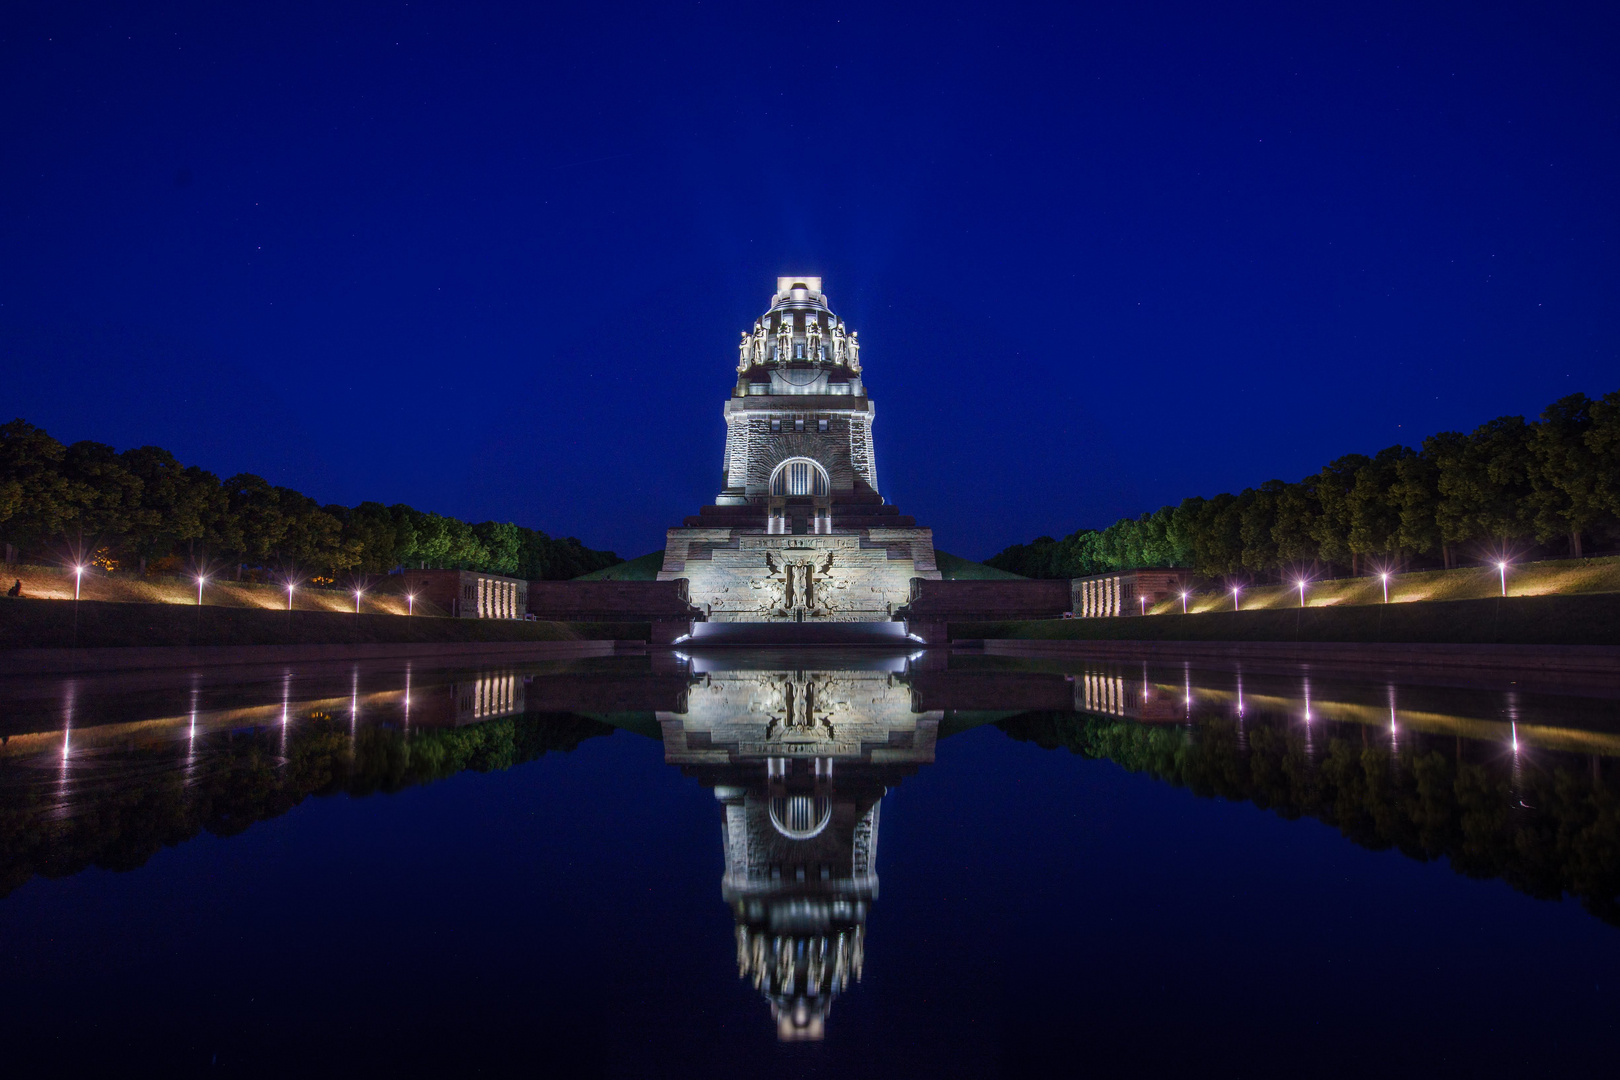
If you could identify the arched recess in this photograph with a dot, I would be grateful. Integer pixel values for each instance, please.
(800, 476)
(800, 817)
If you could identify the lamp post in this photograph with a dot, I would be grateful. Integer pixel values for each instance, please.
(1184, 603)
(357, 601)
(1143, 598)
(1385, 578)
(1502, 566)
(1235, 589)
(78, 578)
(1301, 584)
(410, 603)
(289, 595)
(200, 580)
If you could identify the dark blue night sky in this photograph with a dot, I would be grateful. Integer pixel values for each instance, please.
(494, 263)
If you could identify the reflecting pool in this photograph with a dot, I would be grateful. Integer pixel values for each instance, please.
(669, 863)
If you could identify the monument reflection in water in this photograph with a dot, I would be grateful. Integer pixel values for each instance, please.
(1504, 775)
(800, 760)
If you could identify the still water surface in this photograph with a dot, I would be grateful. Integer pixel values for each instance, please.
(812, 863)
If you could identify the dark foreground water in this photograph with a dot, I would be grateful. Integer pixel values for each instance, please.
(827, 864)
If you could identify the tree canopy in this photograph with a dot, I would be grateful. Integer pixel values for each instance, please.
(141, 507)
(1508, 486)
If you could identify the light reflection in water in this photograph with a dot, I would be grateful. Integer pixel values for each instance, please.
(799, 759)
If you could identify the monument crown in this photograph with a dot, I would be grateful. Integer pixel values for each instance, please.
(799, 462)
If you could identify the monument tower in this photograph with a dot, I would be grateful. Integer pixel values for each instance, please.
(799, 531)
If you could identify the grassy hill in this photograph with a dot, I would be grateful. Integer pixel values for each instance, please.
(1592, 619)
(1563, 577)
(953, 567)
(956, 568)
(643, 569)
(36, 624)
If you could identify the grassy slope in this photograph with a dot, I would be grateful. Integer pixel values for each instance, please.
(956, 568)
(953, 567)
(1562, 576)
(53, 583)
(32, 624)
(643, 569)
(1532, 620)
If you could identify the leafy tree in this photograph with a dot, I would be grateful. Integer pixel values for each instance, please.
(1334, 520)
(1603, 443)
(35, 498)
(1257, 525)
(1565, 478)
(255, 524)
(371, 530)
(1296, 511)
(1415, 497)
(503, 545)
(1375, 515)
(103, 496)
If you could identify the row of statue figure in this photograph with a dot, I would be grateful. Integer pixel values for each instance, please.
(754, 349)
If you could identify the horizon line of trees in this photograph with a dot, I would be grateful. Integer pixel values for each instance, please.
(1508, 488)
(141, 508)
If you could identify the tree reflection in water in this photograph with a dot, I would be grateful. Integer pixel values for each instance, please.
(1545, 821)
(115, 809)
(800, 752)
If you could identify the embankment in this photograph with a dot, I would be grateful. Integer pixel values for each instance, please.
(92, 624)
(1592, 619)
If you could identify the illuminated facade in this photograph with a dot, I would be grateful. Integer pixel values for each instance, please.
(799, 531)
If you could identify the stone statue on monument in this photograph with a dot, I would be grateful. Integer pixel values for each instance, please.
(745, 351)
(838, 342)
(812, 334)
(759, 341)
(855, 350)
(784, 339)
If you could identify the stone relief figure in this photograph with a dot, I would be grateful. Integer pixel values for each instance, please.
(854, 350)
(759, 341)
(745, 351)
(838, 342)
(784, 340)
(812, 333)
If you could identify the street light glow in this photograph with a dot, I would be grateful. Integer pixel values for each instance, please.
(357, 601)
(200, 580)
(289, 595)
(1235, 589)
(1502, 566)
(1301, 584)
(410, 603)
(78, 578)
(1385, 578)
(1184, 603)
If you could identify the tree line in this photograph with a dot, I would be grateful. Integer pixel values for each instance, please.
(141, 509)
(1510, 487)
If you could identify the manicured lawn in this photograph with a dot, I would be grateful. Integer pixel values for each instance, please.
(1592, 619)
(26, 624)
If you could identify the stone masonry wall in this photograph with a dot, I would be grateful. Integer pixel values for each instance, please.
(754, 577)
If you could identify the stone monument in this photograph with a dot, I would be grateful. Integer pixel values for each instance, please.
(799, 531)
